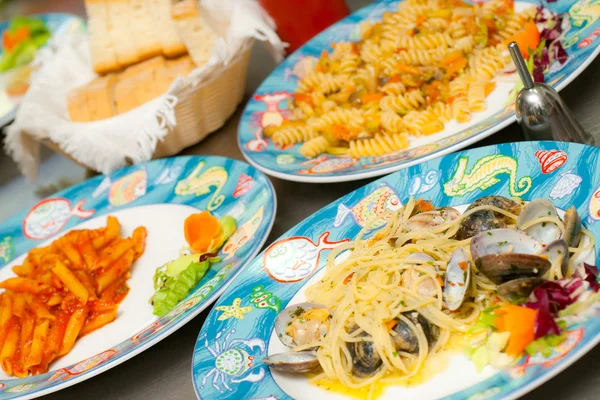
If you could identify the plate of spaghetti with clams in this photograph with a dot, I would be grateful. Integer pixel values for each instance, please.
(481, 285)
(398, 83)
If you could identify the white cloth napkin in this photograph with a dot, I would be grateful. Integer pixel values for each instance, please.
(108, 145)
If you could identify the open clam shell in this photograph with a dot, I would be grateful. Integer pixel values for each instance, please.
(544, 232)
(501, 268)
(499, 241)
(431, 218)
(518, 290)
(458, 278)
(294, 331)
(557, 252)
(293, 361)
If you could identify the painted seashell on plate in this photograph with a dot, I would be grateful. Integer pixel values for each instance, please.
(551, 160)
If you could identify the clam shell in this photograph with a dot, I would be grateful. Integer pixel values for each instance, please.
(285, 317)
(404, 338)
(573, 227)
(557, 252)
(456, 283)
(501, 268)
(518, 290)
(499, 241)
(293, 361)
(431, 218)
(544, 232)
(365, 358)
(486, 220)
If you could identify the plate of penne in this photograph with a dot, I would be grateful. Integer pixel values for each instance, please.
(101, 271)
(401, 82)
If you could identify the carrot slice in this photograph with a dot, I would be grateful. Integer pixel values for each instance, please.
(489, 87)
(200, 230)
(371, 97)
(409, 69)
(347, 279)
(390, 324)
(520, 322)
(527, 39)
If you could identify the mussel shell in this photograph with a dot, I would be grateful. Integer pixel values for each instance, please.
(429, 219)
(501, 268)
(365, 358)
(499, 241)
(544, 232)
(557, 252)
(573, 227)
(518, 290)
(285, 317)
(293, 361)
(486, 220)
(457, 280)
(406, 340)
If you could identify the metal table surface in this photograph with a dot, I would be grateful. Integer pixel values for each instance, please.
(164, 370)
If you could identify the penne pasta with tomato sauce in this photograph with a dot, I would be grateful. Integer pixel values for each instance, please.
(64, 291)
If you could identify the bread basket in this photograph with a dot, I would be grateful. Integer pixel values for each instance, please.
(200, 109)
(194, 105)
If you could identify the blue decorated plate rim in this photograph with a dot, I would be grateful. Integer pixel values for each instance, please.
(396, 166)
(171, 327)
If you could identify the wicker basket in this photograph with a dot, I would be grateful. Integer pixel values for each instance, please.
(201, 109)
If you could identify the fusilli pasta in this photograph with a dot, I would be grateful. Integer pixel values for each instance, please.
(427, 63)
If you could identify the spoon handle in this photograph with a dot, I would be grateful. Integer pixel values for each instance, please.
(515, 53)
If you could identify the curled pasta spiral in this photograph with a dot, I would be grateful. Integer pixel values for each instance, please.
(349, 64)
(460, 106)
(347, 117)
(476, 94)
(513, 24)
(457, 29)
(391, 122)
(323, 82)
(422, 122)
(341, 50)
(402, 103)
(293, 134)
(392, 88)
(465, 44)
(425, 42)
(371, 52)
(487, 62)
(378, 145)
(490, 8)
(314, 147)
(442, 111)
(435, 24)
(421, 57)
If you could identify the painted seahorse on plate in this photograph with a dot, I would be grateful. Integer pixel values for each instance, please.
(201, 184)
(483, 175)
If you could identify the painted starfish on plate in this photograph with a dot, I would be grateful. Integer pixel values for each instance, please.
(233, 310)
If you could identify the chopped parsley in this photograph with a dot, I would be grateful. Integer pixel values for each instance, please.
(298, 312)
(489, 233)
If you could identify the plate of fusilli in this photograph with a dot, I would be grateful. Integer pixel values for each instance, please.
(398, 83)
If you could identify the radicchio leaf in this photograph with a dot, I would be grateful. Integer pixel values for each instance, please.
(548, 299)
(591, 276)
(560, 53)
